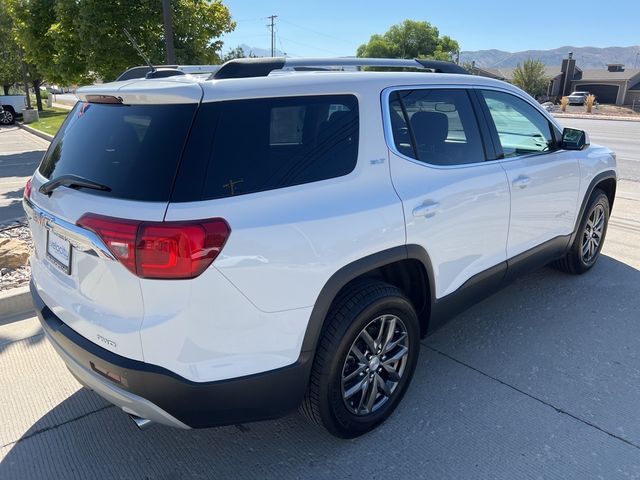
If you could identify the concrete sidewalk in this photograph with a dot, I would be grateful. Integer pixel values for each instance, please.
(20, 154)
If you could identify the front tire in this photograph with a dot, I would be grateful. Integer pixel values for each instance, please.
(7, 117)
(364, 361)
(586, 247)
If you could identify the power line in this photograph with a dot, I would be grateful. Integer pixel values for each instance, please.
(284, 52)
(310, 46)
(317, 32)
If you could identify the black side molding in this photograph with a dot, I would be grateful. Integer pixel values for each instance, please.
(335, 284)
(606, 175)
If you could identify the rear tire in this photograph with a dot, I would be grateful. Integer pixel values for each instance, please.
(586, 247)
(361, 370)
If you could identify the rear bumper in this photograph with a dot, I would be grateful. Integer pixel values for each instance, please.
(157, 394)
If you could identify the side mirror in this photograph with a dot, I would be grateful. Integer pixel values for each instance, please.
(573, 139)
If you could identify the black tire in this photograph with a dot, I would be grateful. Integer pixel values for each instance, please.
(575, 261)
(7, 117)
(359, 307)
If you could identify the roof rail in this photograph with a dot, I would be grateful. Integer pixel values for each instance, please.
(261, 67)
(168, 71)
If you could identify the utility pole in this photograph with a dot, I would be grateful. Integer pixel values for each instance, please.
(273, 34)
(168, 32)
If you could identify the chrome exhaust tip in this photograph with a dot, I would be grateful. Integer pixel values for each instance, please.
(141, 423)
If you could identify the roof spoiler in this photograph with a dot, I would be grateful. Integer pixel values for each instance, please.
(261, 67)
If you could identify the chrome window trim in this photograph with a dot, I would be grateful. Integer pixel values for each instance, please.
(388, 130)
(80, 238)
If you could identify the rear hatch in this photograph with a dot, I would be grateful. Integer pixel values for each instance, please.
(115, 156)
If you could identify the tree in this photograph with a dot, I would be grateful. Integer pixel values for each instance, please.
(196, 24)
(32, 19)
(237, 52)
(76, 41)
(410, 39)
(531, 77)
(9, 51)
(68, 63)
(469, 67)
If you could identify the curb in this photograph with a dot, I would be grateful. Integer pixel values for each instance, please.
(595, 117)
(14, 302)
(35, 132)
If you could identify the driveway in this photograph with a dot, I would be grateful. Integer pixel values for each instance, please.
(20, 154)
(541, 380)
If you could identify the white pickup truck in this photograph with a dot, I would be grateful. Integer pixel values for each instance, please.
(12, 105)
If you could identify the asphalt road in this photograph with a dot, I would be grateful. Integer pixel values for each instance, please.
(541, 380)
(623, 137)
(20, 154)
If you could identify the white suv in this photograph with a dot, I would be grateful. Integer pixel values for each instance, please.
(216, 251)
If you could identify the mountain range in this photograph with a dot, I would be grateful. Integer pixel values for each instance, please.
(586, 57)
(259, 52)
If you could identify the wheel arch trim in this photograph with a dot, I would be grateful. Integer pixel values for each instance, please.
(352, 271)
(595, 181)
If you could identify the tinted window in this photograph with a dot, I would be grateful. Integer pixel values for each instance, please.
(247, 146)
(440, 122)
(521, 128)
(134, 149)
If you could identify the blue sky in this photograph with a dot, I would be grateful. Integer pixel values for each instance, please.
(332, 27)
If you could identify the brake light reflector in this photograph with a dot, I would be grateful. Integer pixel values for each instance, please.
(169, 250)
(118, 235)
(27, 190)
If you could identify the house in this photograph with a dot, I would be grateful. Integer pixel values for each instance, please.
(614, 84)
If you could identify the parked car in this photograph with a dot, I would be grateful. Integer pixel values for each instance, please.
(578, 98)
(549, 106)
(13, 106)
(212, 252)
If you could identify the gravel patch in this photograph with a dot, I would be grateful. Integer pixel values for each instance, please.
(16, 277)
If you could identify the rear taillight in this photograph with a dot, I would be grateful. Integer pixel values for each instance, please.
(118, 235)
(170, 250)
(27, 190)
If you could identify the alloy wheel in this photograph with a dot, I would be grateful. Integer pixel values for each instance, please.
(592, 235)
(6, 117)
(375, 364)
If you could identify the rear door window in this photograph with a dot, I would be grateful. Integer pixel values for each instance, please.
(436, 126)
(247, 146)
(133, 149)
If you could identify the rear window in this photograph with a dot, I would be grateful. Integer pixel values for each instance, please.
(133, 149)
(248, 146)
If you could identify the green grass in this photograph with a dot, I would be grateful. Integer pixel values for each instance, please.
(50, 120)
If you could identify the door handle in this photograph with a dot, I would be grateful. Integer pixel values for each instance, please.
(522, 181)
(426, 210)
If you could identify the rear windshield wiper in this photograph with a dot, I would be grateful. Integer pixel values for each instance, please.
(72, 181)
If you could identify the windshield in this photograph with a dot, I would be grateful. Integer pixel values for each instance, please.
(133, 149)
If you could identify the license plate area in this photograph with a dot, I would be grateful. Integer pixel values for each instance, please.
(59, 251)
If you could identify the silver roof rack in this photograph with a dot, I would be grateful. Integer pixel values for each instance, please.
(168, 71)
(261, 67)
